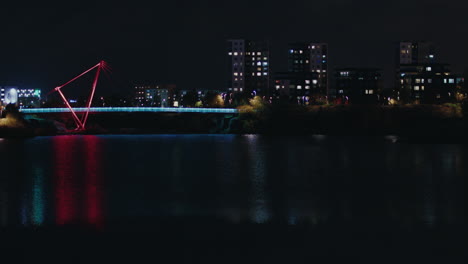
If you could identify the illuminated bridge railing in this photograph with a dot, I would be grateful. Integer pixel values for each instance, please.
(130, 109)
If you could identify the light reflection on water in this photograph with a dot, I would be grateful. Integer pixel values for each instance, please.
(95, 180)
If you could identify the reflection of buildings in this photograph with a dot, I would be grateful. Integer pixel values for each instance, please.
(248, 66)
(161, 95)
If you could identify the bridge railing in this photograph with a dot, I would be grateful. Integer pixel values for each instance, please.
(130, 109)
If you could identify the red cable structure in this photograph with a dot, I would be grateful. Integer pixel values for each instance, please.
(81, 123)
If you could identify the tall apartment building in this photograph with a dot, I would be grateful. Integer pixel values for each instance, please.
(310, 57)
(248, 66)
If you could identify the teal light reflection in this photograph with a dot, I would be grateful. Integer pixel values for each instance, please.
(38, 197)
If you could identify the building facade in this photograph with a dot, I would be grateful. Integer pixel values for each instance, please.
(427, 83)
(248, 66)
(297, 87)
(311, 57)
(420, 78)
(161, 95)
(29, 98)
(9, 95)
(358, 85)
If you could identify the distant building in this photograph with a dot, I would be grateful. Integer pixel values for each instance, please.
(410, 52)
(9, 95)
(248, 66)
(297, 87)
(199, 96)
(310, 57)
(427, 83)
(161, 95)
(29, 98)
(358, 85)
(420, 78)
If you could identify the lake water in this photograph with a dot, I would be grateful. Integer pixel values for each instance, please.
(103, 180)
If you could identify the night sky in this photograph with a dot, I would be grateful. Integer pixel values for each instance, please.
(184, 41)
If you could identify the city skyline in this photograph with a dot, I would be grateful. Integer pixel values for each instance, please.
(48, 45)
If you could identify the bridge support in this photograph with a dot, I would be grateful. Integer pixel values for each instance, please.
(81, 123)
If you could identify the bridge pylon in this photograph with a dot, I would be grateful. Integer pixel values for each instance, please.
(81, 122)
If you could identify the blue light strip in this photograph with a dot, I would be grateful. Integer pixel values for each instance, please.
(131, 109)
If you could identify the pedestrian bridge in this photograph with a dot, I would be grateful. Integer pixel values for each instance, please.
(130, 109)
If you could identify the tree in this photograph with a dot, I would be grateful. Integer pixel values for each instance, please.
(213, 99)
(190, 99)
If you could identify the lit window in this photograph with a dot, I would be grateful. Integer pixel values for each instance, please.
(265, 63)
(307, 81)
(299, 87)
(300, 51)
(235, 74)
(291, 51)
(259, 53)
(318, 70)
(428, 68)
(451, 80)
(422, 88)
(418, 80)
(431, 56)
(445, 80)
(265, 58)
(307, 87)
(344, 73)
(235, 54)
(313, 47)
(259, 63)
(314, 81)
(340, 91)
(429, 80)
(416, 88)
(371, 91)
(230, 53)
(277, 87)
(265, 73)
(259, 74)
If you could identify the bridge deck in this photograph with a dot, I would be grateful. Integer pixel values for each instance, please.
(130, 109)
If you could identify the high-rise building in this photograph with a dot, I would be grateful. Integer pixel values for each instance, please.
(161, 95)
(248, 66)
(310, 57)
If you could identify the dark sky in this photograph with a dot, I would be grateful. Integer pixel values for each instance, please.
(184, 41)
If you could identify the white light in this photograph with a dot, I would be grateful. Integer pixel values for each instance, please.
(314, 81)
